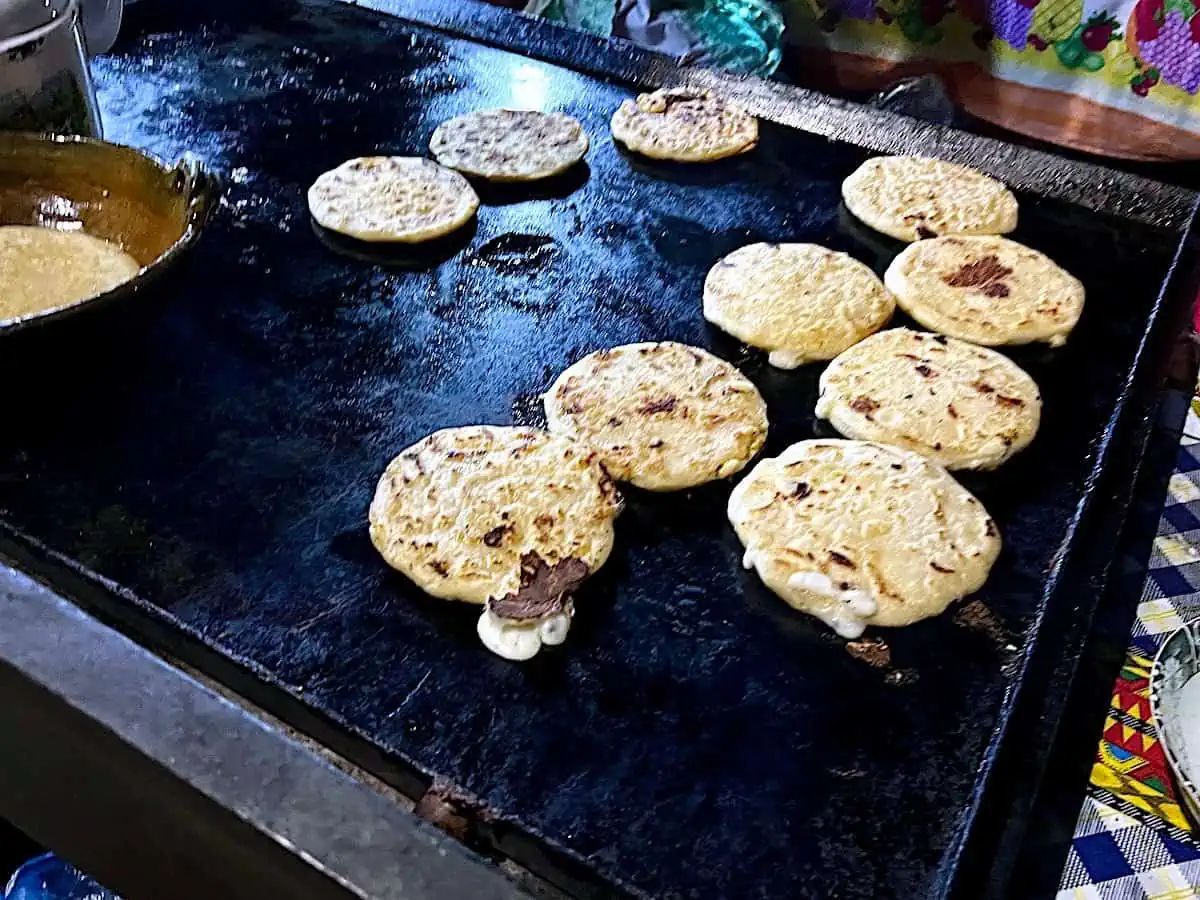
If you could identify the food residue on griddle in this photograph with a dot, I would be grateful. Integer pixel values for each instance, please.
(452, 810)
(975, 616)
(873, 651)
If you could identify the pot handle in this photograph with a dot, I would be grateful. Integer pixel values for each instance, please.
(199, 187)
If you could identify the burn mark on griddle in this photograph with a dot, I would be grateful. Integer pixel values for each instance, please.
(951, 410)
(544, 589)
(662, 405)
(801, 490)
(983, 387)
(842, 560)
(924, 371)
(939, 568)
(1009, 401)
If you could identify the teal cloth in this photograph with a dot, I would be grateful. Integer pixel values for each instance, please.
(740, 35)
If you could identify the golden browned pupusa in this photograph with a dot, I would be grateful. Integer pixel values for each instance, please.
(42, 269)
(661, 415)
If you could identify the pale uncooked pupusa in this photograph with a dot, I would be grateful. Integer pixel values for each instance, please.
(510, 144)
(684, 125)
(914, 197)
(799, 302)
(661, 415)
(404, 199)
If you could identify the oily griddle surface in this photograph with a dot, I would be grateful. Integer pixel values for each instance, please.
(214, 452)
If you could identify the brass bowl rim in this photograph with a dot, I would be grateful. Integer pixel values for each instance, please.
(200, 187)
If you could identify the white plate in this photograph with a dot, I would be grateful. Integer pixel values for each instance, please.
(1175, 710)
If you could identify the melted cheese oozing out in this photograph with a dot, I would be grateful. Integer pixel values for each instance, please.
(851, 611)
(43, 269)
(786, 359)
(519, 641)
(824, 405)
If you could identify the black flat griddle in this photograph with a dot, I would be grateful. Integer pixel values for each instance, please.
(209, 455)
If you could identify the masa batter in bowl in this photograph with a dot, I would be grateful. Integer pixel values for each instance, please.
(42, 269)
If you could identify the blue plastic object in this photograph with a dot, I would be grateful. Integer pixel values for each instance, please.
(50, 878)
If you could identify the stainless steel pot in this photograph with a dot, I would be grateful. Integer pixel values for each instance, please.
(45, 85)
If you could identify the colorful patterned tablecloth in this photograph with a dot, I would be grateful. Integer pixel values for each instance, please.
(1132, 840)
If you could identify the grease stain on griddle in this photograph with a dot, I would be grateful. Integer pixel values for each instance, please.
(615, 233)
(975, 616)
(681, 242)
(515, 254)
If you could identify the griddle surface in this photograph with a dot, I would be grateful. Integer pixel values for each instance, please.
(214, 452)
